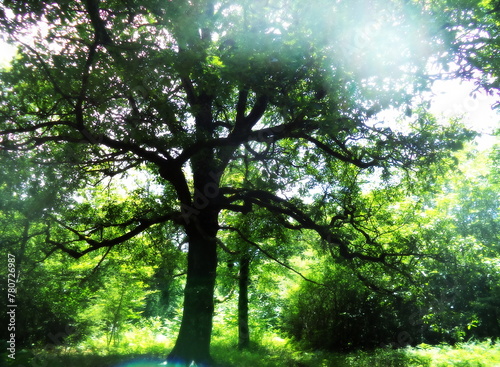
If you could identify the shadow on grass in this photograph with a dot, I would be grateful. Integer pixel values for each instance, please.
(43, 359)
(226, 358)
(227, 355)
(74, 360)
(281, 357)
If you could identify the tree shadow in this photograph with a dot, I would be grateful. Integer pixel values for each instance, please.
(86, 360)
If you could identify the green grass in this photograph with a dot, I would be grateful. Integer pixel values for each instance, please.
(269, 351)
(278, 353)
(462, 355)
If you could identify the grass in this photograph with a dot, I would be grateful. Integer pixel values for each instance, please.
(483, 354)
(276, 352)
(269, 351)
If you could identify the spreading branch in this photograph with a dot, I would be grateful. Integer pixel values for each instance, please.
(276, 205)
(143, 225)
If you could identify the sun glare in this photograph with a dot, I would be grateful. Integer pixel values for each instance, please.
(7, 53)
(379, 42)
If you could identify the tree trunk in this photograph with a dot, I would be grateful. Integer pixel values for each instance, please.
(193, 341)
(244, 278)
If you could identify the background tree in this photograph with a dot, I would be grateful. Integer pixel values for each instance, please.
(178, 91)
(462, 223)
(258, 264)
(450, 295)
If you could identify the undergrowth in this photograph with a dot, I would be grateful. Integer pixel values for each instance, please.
(147, 344)
(472, 354)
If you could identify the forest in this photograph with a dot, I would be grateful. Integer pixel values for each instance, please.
(248, 183)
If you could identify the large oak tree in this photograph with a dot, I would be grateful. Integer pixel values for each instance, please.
(192, 93)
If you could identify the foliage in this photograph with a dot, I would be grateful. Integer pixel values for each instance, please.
(448, 294)
(470, 28)
(341, 315)
(119, 301)
(146, 336)
(62, 301)
(49, 296)
(461, 223)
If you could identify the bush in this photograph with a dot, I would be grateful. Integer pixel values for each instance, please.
(345, 315)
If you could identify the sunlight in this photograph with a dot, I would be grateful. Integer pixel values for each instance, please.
(456, 98)
(385, 43)
(7, 54)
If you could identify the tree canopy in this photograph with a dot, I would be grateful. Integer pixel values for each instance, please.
(226, 109)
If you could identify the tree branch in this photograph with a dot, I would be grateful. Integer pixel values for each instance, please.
(101, 35)
(275, 204)
(257, 112)
(266, 253)
(95, 245)
(241, 105)
(346, 157)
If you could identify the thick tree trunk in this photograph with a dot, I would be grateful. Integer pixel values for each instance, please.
(244, 279)
(193, 341)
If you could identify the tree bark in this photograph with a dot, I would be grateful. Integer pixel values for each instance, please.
(193, 341)
(243, 280)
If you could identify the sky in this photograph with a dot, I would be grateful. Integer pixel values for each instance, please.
(6, 54)
(452, 98)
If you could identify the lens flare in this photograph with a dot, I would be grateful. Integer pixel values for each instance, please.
(144, 363)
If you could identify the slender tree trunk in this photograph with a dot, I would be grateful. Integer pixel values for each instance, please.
(193, 341)
(244, 279)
